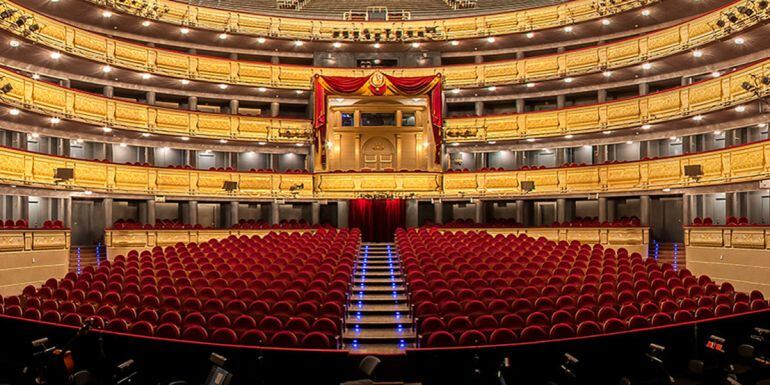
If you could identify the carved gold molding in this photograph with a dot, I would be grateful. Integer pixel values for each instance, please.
(732, 165)
(51, 99)
(34, 240)
(151, 238)
(96, 47)
(731, 237)
(317, 29)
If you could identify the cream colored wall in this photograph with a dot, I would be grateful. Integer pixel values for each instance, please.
(22, 268)
(746, 269)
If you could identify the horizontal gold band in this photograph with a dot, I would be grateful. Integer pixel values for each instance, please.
(737, 164)
(96, 47)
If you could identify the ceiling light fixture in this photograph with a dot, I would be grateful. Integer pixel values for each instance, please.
(261, 40)
(55, 55)
(184, 31)
(106, 129)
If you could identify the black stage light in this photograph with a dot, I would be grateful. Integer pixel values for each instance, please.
(762, 4)
(7, 87)
(34, 28)
(21, 20)
(721, 23)
(733, 18)
(7, 13)
(765, 80)
(745, 10)
(747, 86)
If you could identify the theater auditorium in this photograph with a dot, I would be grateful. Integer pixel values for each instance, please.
(438, 192)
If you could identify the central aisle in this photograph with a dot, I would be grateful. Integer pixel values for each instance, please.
(379, 317)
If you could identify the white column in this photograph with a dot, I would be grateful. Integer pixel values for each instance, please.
(412, 210)
(343, 211)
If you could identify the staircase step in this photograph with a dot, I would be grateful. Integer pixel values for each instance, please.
(378, 308)
(368, 298)
(378, 348)
(377, 281)
(379, 320)
(376, 274)
(362, 335)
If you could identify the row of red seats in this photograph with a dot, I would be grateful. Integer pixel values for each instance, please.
(283, 289)
(23, 224)
(470, 288)
(731, 221)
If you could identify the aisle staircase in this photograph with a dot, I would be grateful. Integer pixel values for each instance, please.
(666, 252)
(378, 318)
(82, 256)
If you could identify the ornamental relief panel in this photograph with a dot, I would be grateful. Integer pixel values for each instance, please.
(170, 61)
(706, 238)
(12, 165)
(11, 240)
(664, 40)
(749, 239)
(707, 93)
(49, 97)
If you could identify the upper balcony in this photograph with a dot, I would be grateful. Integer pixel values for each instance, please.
(66, 38)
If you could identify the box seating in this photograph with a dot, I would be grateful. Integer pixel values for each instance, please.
(475, 289)
(286, 289)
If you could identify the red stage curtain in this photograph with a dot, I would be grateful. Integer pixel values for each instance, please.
(377, 84)
(378, 219)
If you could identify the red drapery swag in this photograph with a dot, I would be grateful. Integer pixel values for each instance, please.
(377, 84)
(378, 219)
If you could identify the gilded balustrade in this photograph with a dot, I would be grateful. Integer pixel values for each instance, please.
(96, 47)
(702, 97)
(319, 29)
(738, 164)
(51, 99)
(728, 237)
(22, 167)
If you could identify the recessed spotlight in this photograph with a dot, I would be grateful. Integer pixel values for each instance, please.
(36, 76)
(185, 138)
(416, 45)
(106, 129)
(261, 89)
(739, 40)
(530, 35)
(261, 40)
(697, 53)
(222, 36)
(106, 69)
(666, 189)
(261, 143)
(106, 14)
(530, 140)
(492, 142)
(455, 144)
(491, 39)
(299, 144)
(146, 76)
(35, 135)
(222, 86)
(607, 73)
(456, 91)
(55, 120)
(298, 43)
(336, 44)
(87, 192)
(376, 45)
(645, 12)
(491, 88)
(569, 136)
(606, 22)
(531, 85)
(184, 31)
(673, 138)
(717, 132)
(646, 66)
(223, 141)
(568, 80)
(454, 43)
(606, 132)
(716, 74)
(123, 145)
(146, 134)
(762, 125)
(740, 108)
(185, 81)
(299, 92)
(55, 55)
(697, 118)
(14, 111)
(646, 126)
(568, 28)
(14, 43)
(146, 23)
